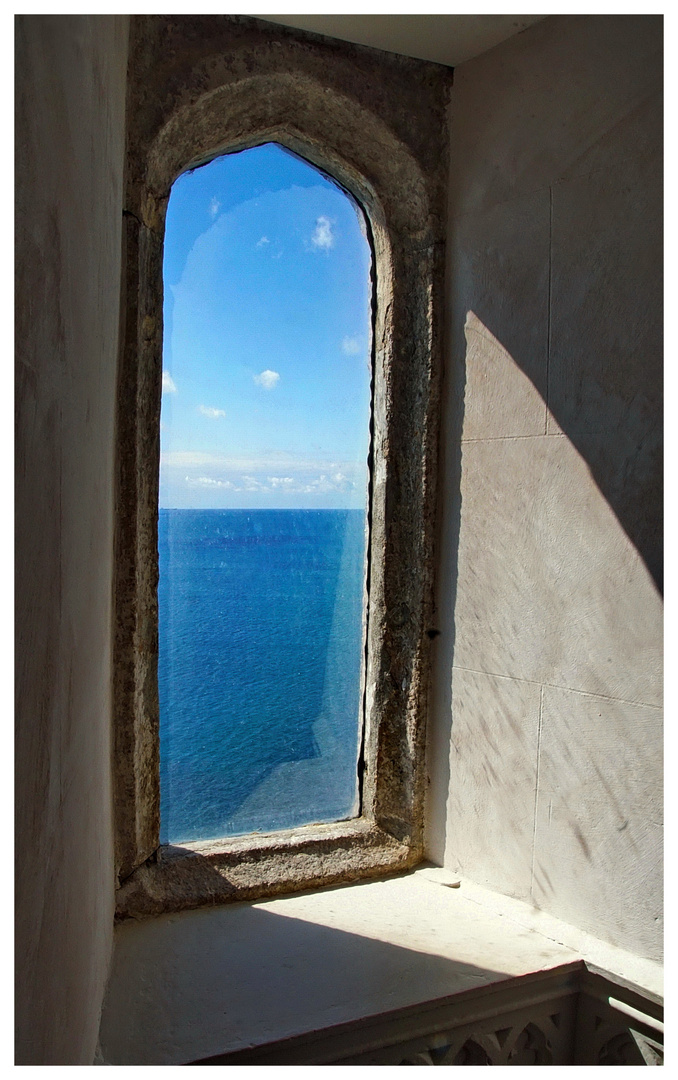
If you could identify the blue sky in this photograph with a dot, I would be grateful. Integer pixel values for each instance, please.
(266, 381)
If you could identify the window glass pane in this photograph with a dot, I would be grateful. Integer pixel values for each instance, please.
(263, 487)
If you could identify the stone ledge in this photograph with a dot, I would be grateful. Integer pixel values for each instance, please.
(188, 986)
(251, 867)
(570, 1015)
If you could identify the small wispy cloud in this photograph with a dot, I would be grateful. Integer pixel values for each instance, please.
(250, 483)
(277, 475)
(209, 481)
(304, 482)
(207, 410)
(338, 482)
(263, 242)
(214, 207)
(323, 238)
(351, 346)
(168, 384)
(268, 379)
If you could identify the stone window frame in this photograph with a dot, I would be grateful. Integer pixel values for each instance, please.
(201, 86)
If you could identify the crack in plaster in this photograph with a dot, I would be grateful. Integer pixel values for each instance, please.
(536, 791)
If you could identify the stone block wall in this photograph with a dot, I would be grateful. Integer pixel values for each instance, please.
(545, 745)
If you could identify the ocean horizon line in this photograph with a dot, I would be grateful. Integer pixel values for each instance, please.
(250, 509)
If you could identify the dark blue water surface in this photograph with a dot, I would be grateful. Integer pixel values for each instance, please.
(261, 638)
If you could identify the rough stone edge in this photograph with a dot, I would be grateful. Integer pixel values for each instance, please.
(407, 332)
(250, 868)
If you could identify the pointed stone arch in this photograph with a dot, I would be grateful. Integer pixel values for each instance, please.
(350, 112)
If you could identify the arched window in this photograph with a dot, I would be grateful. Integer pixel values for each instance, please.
(349, 114)
(264, 439)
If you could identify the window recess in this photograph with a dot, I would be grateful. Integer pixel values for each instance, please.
(375, 123)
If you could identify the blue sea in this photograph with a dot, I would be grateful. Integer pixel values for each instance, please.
(261, 640)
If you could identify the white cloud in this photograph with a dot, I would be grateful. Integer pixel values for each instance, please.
(275, 475)
(299, 485)
(263, 242)
(214, 207)
(168, 385)
(351, 346)
(250, 483)
(209, 481)
(213, 414)
(268, 379)
(322, 237)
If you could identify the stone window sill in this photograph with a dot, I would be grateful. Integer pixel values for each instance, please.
(251, 867)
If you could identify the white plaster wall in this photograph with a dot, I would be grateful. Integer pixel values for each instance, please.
(545, 745)
(70, 99)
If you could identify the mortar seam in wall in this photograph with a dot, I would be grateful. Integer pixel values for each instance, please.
(513, 438)
(559, 686)
(482, 208)
(536, 791)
